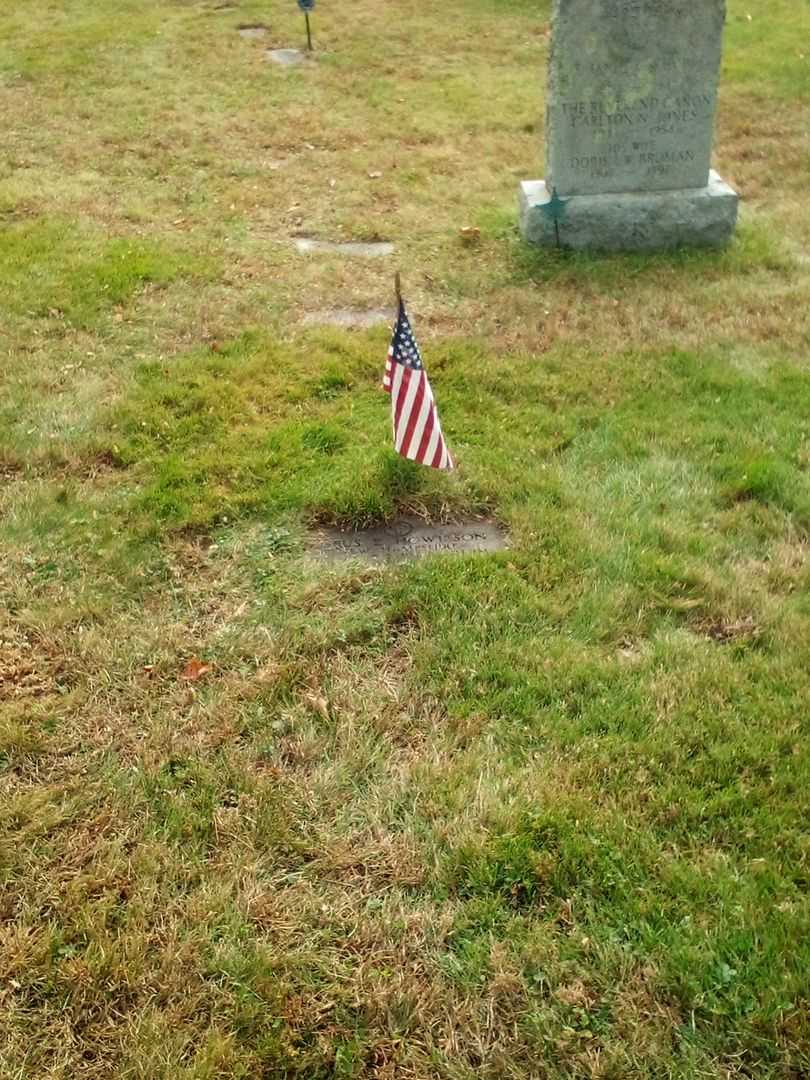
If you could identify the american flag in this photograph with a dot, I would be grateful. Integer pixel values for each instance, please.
(417, 431)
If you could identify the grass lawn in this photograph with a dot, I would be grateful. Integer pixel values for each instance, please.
(535, 815)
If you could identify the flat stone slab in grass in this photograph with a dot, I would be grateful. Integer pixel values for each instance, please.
(285, 57)
(352, 247)
(350, 318)
(410, 539)
(252, 32)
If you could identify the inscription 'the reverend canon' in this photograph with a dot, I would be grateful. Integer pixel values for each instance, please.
(632, 93)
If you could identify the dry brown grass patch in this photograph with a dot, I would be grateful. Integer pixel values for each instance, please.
(30, 667)
(646, 1022)
(724, 630)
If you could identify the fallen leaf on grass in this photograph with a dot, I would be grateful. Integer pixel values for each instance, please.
(725, 632)
(319, 704)
(195, 669)
(470, 235)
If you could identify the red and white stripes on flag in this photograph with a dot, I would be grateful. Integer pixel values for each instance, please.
(417, 431)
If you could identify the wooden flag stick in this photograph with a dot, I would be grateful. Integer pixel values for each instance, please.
(398, 286)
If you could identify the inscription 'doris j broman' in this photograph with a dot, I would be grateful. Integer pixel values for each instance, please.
(653, 116)
(410, 539)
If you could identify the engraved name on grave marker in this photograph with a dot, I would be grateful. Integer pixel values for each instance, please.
(410, 540)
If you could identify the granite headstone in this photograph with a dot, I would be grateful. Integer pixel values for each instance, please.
(632, 90)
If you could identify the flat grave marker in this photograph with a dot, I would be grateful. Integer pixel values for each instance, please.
(350, 317)
(252, 33)
(409, 539)
(285, 57)
(376, 249)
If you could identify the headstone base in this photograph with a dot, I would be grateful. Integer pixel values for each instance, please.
(643, 221)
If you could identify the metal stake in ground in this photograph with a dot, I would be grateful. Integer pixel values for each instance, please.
(554, 209)
(307, 6)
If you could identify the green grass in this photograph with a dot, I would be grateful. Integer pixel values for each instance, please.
(53, 269)
(541, 813)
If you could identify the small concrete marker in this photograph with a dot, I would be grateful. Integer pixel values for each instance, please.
(306, 246)
(285, 57)
(253, 32)
(349, 317)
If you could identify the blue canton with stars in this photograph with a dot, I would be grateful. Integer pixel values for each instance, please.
(405, 349)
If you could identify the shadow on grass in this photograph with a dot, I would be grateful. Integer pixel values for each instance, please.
(753, 249)
(396, 488)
